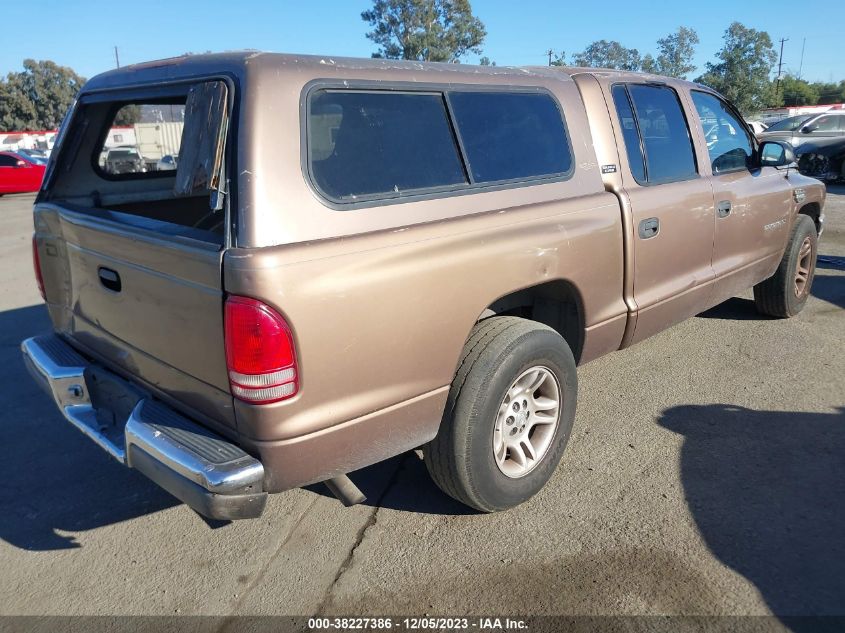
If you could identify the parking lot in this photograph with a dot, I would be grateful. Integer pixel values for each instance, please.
(705, 475)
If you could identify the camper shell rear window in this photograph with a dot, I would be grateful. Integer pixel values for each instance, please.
(154, 161)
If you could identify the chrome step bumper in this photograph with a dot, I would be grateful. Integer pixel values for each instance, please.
(213, 476)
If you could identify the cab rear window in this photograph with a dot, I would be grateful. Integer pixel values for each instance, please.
(382, 144)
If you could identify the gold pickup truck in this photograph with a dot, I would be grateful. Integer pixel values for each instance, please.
(356, 258)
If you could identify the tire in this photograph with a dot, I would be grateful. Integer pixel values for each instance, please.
(503, 356)
(784, 294)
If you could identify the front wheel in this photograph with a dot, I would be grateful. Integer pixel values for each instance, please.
(785, 293)
(508, 416)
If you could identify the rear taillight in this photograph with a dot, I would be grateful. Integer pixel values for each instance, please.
(36, 264)
(260, 355)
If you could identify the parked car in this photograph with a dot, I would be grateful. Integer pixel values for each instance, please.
(19, 174)
(167, 163)
(823, 158)
(37, 156)
(124, 160)
(758, 127)
(800, 129)
(403, 255)
(819, 142)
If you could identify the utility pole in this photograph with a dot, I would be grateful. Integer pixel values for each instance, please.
(550, 52)
(116, 57)
(801, 65)
(780, 66)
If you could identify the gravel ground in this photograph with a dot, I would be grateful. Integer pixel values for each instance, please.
(705, 475)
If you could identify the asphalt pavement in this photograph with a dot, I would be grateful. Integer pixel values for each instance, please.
(705, 475)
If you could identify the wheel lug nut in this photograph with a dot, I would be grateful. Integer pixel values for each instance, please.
(516, 406)
(509, 421)
(514, 431)
(525, 403)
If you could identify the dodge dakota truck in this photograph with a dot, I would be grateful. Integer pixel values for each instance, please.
(357, 258)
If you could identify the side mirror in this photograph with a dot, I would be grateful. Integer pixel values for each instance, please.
(776, 154)
(21, 163)
(807, 129)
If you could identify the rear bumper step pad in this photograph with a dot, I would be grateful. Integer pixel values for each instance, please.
(213, 476)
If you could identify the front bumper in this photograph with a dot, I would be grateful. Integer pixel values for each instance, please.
(213, 476)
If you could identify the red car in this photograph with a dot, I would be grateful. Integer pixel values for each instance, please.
(19, 173)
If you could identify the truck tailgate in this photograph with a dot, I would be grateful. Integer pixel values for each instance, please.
(148, 306)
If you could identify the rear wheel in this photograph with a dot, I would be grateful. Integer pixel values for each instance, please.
(785, 293)
(508, 416)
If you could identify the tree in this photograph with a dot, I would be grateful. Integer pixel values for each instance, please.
(424, 30)
(17, 112)
(742, 72)
(675, 56)
(485, 61)
(604, 54)
(38, 97)
(830, 92)
(559, 59)
(128, 115)
(793, 92)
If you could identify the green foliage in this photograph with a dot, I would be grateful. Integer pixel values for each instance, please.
(38, 97)
(485, 61)
(830, 92)
(558, 59)
(604, 54)
(128, 115)
(742, 72)
(795, 92)
(676, 51)
(424, 30)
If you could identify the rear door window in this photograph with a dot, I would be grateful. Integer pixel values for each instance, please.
(511, 135)
(629, 133)
(662, 133)
(380, 144)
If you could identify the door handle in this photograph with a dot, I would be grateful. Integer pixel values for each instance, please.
(724, 208)
(109, 278)
(649, 228)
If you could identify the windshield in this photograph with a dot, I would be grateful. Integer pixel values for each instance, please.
(122, 153)
(788, 125)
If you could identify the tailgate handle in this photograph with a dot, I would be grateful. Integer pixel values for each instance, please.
(109, 278)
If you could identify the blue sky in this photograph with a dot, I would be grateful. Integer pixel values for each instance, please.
(82, 33)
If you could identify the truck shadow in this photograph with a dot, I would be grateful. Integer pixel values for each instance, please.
(54, 480)
(829, 288)
(767, 492)
(401, 483)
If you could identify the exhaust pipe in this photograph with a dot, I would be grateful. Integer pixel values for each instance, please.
(343, 488)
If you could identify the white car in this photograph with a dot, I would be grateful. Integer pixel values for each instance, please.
(167, 163)
(757, 127)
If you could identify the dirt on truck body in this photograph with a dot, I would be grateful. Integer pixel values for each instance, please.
(356, 258)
